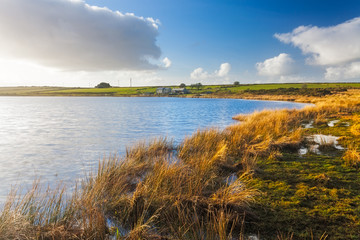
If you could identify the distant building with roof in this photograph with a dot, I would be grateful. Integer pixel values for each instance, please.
(179, 91)
(163, 90)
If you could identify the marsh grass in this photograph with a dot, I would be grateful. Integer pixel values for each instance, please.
(43, 215)
(352, 157)
(212, 186)
(261, 132)
(355, 129)
(149, 194)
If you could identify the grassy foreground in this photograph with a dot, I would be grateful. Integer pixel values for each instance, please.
(248, 179)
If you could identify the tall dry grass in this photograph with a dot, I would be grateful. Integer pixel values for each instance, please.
(155, 195)
(46, 214)
(261, 132)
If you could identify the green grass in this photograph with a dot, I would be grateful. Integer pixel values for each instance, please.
(296, 85)
(310, 194)
(106, 91)
(215, 90)
(231, 89)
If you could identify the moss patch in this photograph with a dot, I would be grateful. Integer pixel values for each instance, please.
(309, 195)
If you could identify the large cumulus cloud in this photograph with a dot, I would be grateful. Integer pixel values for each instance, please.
(281, 65)
(72, 35)
(336, 48)
(327, 45)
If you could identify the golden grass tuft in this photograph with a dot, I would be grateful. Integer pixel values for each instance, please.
(352, 156)
(355, 129)
(261, 132)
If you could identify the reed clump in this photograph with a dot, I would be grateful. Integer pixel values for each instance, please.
(47, 215)
(261, 132)
(155, 194)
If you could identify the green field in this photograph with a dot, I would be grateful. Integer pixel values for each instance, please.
(147, 91)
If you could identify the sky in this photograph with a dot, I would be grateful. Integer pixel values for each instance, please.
(79, 43)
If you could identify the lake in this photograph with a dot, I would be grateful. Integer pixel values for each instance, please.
(61, 138)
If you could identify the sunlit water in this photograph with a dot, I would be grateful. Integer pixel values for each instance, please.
(61, 138)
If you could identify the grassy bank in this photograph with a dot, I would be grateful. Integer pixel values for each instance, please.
(248, 179)
(254, 91)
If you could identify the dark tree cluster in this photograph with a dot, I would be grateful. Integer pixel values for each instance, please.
(103, 85)
(198, 86)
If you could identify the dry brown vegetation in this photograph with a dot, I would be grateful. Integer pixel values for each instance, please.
(197, 190)
(352, 156)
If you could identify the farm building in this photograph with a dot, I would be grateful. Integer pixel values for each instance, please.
(163, 90)
(180, 91)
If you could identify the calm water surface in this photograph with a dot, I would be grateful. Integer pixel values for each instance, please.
(61, 138)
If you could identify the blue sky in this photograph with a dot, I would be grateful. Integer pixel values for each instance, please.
(203, 41)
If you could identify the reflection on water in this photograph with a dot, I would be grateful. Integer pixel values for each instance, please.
(61, 138)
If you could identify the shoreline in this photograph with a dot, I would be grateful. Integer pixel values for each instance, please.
(303, 92)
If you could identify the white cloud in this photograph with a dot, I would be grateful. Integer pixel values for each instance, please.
(325, 46)
(72, 35)
(167, 62)
(201, 74)
(224, 70)
(349, 71)
(281, 65)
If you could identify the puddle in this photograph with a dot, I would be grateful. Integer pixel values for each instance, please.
(308, 125)
(303, 151)
(346, 124)
(231, 179)
(326, 139)
(320, 139)
(116, 229)
(333, 122)
(253, 237)
(315, 149)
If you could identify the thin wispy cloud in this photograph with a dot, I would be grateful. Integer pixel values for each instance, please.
(72, 35)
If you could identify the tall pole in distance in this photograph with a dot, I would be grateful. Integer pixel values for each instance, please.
(130, 82)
